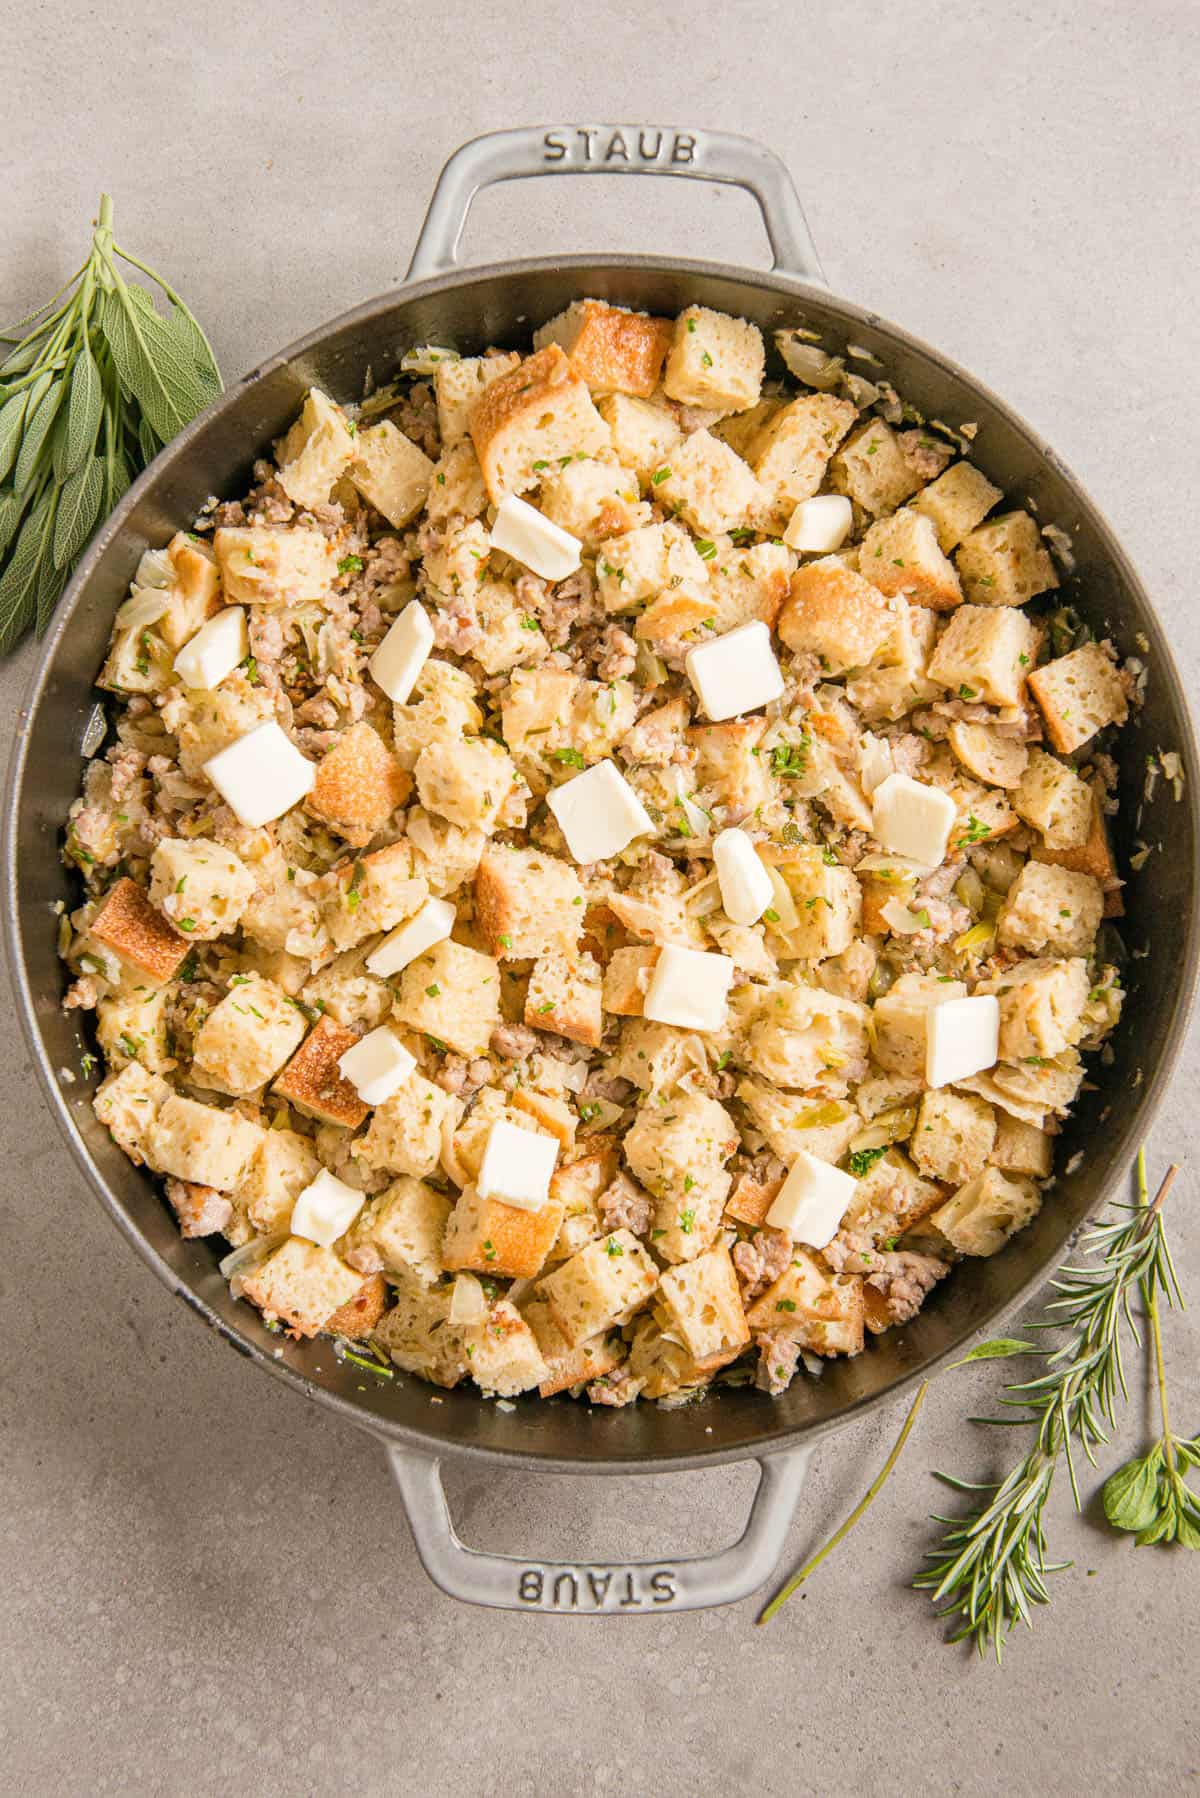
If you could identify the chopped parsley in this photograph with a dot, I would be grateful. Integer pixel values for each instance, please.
(705, 549)
(350, 565)
(863, 1160)
(966, 693)
(975, 831)
(571, 757)
(612, 1247)
(187, 924)
(434, 991)
(659, 476)
(687, 1222)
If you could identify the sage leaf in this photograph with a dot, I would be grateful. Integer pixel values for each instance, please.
(78, 510)
(39, 421)
(997, 1348)
(12, 417)
(19, 582)
(84, 411)
(193, 342)
(148, 443)
(11, 508)
(162, 380)
(117, 477)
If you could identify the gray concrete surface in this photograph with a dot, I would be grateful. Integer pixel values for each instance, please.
(208, 1586)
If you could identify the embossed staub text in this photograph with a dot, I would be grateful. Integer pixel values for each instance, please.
(596, 1588)
(602, 146)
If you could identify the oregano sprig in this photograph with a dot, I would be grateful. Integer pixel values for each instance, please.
(92, 385)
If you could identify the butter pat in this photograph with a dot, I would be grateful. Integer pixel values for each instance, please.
(912, 819)
(812, 1201)
(215, 651)
(326, 1209)
(528, 536)
(376, 1065)
(599, 813)
(517, 1165)
(820, 525)
(735, 673)
(962, 1037)
(430, 925)
(261, 776)
(403, 653)
(688, 988)
(746, 889)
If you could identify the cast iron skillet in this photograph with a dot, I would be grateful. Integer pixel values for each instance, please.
(501, 305)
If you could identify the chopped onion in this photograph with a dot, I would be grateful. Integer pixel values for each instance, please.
(784, 904)
(809, 363)
(145, 606)
(154, 569)
(424, 358)
(467, 1303)
(239, 1263)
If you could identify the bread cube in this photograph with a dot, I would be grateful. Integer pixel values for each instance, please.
(836, 615)
(247, 1037)
(564, 997)
(897, 682)
(527, 903)
(567, 1367)
(823, 1312)
(208, 722)
(644, 562)
(1094, 857)
(467, 782)
(703, 1305)
(900, 554)
(889, 1199)
(459, 382)
(1021, 1148)
(371, 893)
(486, 1236)
(954, 1136)
(400, 1231)
(446, 857)
(828, 900)
(678, 1151)
(1041, 1006)
(643, 435)
(280, 1168)
(709, 485)
(390, 472)
(199, 887)
(751, 1199)
(456, 488)
(728, 765)
(626, 978)
(985, 654)
(129, 925)
(357, 1318)
(511, 635)
(274, 565)
(316, 452)
(603, 1285)
(456, 563)
(538, 413)
(127, 1104)
(986, 1211)
(956, 502)
(137, 662)
(613, 349)
(358, 786)
(444, 709)
(1079, 694)
(405, 1132)
(989, 755)
(658, 735)
(1050, 909)
(901, 1017)
(550, 1113)
(593, 499)
(503, 1356)
(748, 584)
(790, 454)
(194, 594)
(313, 1082)
(302, 1285)
(453, 995)
(1055, 801)
(132, 1026)
(715, 361)
(872, 468)
(804, 1037)
(791, 1122)
(198, 1142)
(1005, 562)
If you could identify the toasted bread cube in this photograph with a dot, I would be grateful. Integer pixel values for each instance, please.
(898, 682)
(129, 925)
(503, 1356)
(1021, 1148)
(954, 1135)
(678, 1151)
(1005, 562)
(728, 765)
(748, 584)
(900, 1018)
(872, 468)
(132, 1026)
(890, 1198)
(127, 1104)
(790, 1122)
(511, 634)
(456, 488)
(643, 435)
(1055, 801)
(199, 1143)
(613, 349)
(751, 1199)
(956, 502)
(452, 993)
(316, 451)
(372, 893)
(803, 1035)
(199, 1210)
(715, 362)
(703, 1304)
(419, 1337)
(551, 1114)
(527, 903)
(626, 978)
(836, 615)
(670, 616)
(822, 1311)
(194, 594)
(593, 499)
(1042, 1003)
(1079, 694)
(247, 1037)
(900, 554)
(137, 662)
(828, 901)
(1050, 909)
(400, 1232)
(467, 782)
(390, 472)
(444, 709)
(986, 1211)
(984, 751)
(537, 413)
(405, 1132)
(357, 1318)
(199, 886)
(566, 1366)
(986, 651)
(652, 1056)
(455, 565)
(212, 721)
(486, 1236)
(1094, 857)
(459, 382)
(277, 1173)
(269, 565)
(302, 1285)
(359, 784)
(564, 997)
(658, 735)
(603, 1285)
(645, 562)
(791, 452)
(446, 857)
(314, 1084)
(708, 484)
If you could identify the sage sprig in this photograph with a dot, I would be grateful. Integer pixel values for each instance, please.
(92, 385)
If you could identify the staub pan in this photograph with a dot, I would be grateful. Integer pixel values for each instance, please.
(470, 309)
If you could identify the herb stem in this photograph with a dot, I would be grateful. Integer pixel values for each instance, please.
(1150, 1299)
(864, 1505)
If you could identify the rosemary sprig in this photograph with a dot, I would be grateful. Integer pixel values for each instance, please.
(93, 383)
(991, 1567)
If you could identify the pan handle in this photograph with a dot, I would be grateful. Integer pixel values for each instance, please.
(615, 150)
(593, 1588)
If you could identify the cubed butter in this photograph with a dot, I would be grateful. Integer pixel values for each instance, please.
(326, 1209)
(261, 776)
(962, 1037)
(820, 525)
(403, 653)
(377, 1065)
(812, 1201)
(517, 1165)
(688, 988)
(912, 818)
(736, 673)
(746, 889)
(430, 925)
(599, 813)
(529, 537)
(215, 651)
